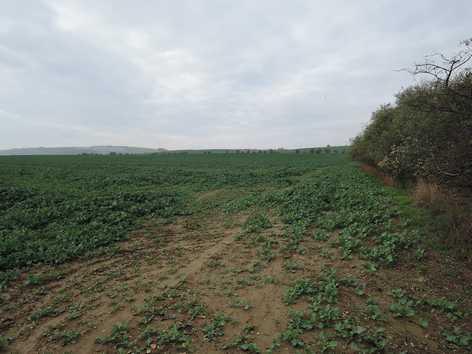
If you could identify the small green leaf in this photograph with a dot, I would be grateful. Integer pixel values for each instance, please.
(424, 323)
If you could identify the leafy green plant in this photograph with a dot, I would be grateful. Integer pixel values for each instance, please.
(324, 316)
(215, 328)
(302, 287)
(266, 252)
(241, 304)
(446, 306)
(174, 335)
(404, 306)
(424, 323)
(458, 337)
(119, 336)
(48, 311)
(3, 342)
(244, 341)
(361, 336)
(292, 266)
(196, 309)
(293, 337)
(6, 277)
(257, 222)
(65, 337)
(321, 235)
(373, 310)
(326, 343)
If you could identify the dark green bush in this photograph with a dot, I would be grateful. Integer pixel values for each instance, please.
(427, 133)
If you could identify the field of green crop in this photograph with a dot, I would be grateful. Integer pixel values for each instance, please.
(276, 252)
(56, 208)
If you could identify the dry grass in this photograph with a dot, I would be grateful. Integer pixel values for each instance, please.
(455, 211)
(430, 194)
(373, 171)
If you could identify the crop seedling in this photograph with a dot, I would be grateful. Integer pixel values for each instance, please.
(321, 235)
(448, 307)
(301, 207)
(241, 304)
(292, 266)
(326, 343)
(302, 287)
(65, 337)
(7, 277)
(3, 343)
(215, 328)
(458, 337)
(373, 310)
(256, 223)
(324, 315)
(196, 309)
(174, 335)
(244, 341)
(119, 336)
(404, 306)
(424, 323)
(149, 334)
(48, 311)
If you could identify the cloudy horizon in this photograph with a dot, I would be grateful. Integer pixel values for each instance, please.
(209, 74)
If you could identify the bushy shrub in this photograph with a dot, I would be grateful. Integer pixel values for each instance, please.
(427, 133)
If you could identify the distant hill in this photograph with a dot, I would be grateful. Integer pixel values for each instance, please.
(95, 150)
(333, 149)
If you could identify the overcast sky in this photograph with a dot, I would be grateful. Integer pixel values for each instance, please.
(209, 73)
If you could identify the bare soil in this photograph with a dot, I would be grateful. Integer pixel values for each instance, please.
(209, 261)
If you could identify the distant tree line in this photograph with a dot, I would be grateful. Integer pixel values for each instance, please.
(427, 133)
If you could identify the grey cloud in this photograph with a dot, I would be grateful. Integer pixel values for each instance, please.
(193, 74)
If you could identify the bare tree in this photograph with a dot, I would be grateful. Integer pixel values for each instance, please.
(443, 68)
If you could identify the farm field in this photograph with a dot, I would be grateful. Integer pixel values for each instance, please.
(220, 253)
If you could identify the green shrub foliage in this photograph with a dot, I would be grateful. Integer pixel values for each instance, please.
(427, 132)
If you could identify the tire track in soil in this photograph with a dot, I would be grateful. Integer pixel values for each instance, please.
(86, 343)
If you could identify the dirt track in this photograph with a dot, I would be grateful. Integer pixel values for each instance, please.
(193, 262)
